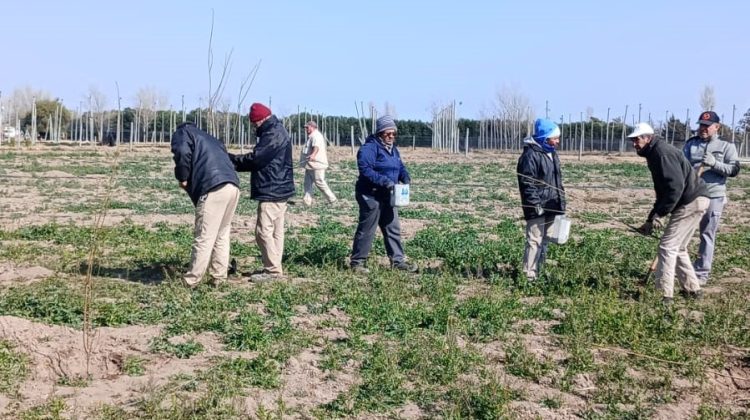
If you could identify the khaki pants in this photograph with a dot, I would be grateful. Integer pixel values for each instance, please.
(673, 254)
(316, 177)
(538, 231)
(213, 221)
(269, 234)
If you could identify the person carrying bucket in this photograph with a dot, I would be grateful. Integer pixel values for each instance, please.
(380, 169)
(542, 193)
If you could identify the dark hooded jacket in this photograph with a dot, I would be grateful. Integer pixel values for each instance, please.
(540, 181)
(270, 163)
(201, 160)
(675, 181)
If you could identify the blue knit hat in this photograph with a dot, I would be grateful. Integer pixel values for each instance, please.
(384, 123)
(543, 130)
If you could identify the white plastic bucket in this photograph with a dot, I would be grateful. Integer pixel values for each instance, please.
(560, 229)
(400, 195)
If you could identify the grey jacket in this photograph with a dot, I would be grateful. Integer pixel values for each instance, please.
(727, 163)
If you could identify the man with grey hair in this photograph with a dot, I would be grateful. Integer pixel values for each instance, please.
(716, 160)
(681, 194)
(315, 162)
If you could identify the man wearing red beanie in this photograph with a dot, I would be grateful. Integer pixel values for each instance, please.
(271, 184)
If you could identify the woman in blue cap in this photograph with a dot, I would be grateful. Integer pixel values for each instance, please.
(542, 192)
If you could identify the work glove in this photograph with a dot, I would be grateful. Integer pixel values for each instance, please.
(709, 160)
(646, 229)
(650, 226)
(539, 210)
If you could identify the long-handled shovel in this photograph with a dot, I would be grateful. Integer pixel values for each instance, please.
(651, 270)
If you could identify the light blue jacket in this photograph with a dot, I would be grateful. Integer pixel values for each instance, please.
(727, 163)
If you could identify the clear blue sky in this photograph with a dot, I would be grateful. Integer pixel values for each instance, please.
(324, 55)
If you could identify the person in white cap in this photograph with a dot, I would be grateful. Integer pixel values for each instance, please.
(716, 160)
(681, 194)
(315, 162)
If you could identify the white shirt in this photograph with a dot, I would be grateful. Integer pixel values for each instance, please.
(316, 139)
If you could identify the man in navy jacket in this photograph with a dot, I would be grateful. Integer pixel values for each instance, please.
(380, 168)
(271, 184)
(203, 169)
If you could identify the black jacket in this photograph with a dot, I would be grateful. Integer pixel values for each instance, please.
(675, 181)
(201, 160)
(540, 181)
(270, 163)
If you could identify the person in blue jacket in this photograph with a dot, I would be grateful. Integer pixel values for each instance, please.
(204, 170)
(380, 168)
(542, 192)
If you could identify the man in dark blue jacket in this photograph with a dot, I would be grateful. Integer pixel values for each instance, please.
(680, 194)
(542, 192)
(271, 184)
(380, 168)
(204, 170)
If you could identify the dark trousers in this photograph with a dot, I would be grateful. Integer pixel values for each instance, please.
(374, 212)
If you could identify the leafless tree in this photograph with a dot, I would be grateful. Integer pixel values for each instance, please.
(708, 98)
(516, 107)
(216, 93)
(98, 103)
(22, 99)
(148, 100)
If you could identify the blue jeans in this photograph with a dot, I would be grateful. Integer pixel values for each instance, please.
(373, 212)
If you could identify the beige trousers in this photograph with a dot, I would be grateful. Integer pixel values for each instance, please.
(538, 231)
(316, 177)
(213, 221)
(269, 234)
(673, 248)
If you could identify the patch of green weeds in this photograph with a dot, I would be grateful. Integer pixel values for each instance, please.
(73, 381)
(485, 400)
(183, 350)
(13, 367)
(519, 362)
(133, 366)
(382, 387)
(50, 410)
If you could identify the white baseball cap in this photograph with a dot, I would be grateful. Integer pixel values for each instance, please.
(641, 129)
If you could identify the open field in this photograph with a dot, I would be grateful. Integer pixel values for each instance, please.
(465, 338)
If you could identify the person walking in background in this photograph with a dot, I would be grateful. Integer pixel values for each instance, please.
(716, 160)
(542, 192)
(271, 184)
(315, 162)
(681, 194)
(380, 168)
(203, 169)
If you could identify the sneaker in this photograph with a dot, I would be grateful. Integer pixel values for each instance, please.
(265, 277)
(405, 266)
(359, 269)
